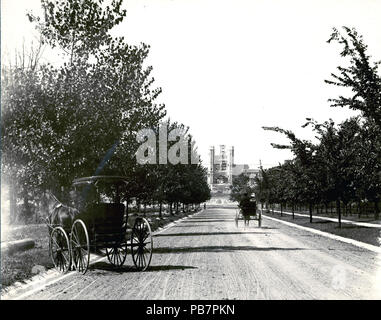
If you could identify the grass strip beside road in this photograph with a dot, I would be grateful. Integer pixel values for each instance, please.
(374, 224)
(369, 235)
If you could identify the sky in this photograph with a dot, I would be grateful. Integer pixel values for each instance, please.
(227, 68)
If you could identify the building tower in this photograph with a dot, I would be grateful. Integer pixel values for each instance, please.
(211, 165)
(231, 164)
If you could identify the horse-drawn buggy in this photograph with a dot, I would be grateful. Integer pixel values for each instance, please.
(98, 225)
(247, 210)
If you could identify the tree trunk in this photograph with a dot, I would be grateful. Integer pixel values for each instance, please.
(170, 209)
(376, 210)
(338, 209)
(160, 209)
(310, 210)
(281, 210)
(12, 204)
(26, 206)
(37, 211)
(293, 211)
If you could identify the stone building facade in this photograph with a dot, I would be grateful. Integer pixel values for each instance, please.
(222, 169)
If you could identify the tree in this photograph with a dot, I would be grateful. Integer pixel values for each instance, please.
(368, 166)
(361, 76)
(337, 153)
(78, 27)
(20, 93)
(262, 187)
(363, 79)
(291, 176)
(305, 153)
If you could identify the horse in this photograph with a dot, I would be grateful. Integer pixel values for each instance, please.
(246, 219)
(59, 214)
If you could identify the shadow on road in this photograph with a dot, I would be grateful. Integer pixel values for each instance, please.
(267, 228)
(214, 216)
(206, 220)
(195, 225)
(221, 249)
(104, 266)
(187, 226)
(187, 234)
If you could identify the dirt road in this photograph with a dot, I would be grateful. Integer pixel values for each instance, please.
(207, 257)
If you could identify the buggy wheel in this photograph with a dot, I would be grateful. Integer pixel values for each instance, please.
(141, 244)
(117, 254)
(59, 249)
(80, 246)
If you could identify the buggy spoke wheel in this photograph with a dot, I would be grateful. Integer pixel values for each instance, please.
(80, 246)
(59, 249)
(141, 244)
(117, 255)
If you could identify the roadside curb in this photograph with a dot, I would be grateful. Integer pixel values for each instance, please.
(17, 245)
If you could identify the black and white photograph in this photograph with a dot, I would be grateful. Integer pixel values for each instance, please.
(207, 152)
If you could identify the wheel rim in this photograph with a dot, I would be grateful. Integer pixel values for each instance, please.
(117, 255)
(141, 244)
(80, 246)
(59, 249)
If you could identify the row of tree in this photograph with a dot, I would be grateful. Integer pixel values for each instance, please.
(82, 116)
(344, 166)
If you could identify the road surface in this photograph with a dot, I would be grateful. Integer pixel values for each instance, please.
(206, 257)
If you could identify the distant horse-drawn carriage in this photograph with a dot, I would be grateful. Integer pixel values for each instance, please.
(247, 210)
(100, 225)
